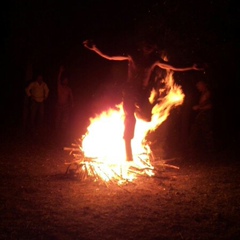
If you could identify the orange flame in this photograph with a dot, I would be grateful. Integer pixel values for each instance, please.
(104, 138)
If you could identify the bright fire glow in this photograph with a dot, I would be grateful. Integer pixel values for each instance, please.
(104, 142)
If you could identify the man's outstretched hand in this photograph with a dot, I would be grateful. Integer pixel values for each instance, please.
(195, 67)
(88, 44)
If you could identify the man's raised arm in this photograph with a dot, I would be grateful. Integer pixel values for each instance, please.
(93, 47)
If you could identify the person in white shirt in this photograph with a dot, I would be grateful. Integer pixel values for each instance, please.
(38, 91)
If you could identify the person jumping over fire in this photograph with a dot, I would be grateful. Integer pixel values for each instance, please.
(136, 91)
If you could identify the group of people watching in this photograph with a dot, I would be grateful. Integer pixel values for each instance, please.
(36, 95)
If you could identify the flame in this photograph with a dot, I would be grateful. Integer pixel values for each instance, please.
(174, 97)
(104, 144)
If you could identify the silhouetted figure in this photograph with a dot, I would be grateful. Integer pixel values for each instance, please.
(137, 90)
(202, 127)
(65, 101)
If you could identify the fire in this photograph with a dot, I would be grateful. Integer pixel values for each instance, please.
(173, 97)
(102, 149)
(104, 137)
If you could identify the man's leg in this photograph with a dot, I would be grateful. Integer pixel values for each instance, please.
(34, 109)
(129, 135)
(41, 114)
(128, 149)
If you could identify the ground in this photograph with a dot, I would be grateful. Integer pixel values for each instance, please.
(200, 200)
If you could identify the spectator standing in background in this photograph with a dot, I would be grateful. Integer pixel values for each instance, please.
(38, 92)
(202, 127)
(65, 101)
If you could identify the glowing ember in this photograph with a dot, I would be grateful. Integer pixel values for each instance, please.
(101, 152)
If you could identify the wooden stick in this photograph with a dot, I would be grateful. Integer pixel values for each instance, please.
(70, 149)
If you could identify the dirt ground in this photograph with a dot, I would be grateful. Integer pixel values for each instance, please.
(200, 200)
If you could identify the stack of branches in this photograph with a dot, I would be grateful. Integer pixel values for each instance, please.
(84, 167)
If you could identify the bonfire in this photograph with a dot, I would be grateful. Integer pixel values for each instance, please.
(100, 154)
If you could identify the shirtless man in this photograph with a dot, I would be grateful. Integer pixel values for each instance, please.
(65, 100)
(135, 93)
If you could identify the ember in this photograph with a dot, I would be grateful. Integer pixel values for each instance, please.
(100, 153)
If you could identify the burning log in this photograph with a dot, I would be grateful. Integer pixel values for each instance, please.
(95, 168)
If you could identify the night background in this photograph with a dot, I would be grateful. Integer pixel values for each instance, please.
(40, 36)
(39, 199)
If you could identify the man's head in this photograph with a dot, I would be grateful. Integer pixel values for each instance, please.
(147, 47)
(39, 78)
(201, 85)
(65, 81)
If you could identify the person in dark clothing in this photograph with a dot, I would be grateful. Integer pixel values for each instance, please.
(202, 128)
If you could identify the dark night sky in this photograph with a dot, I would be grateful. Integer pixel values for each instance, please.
(45, 34)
